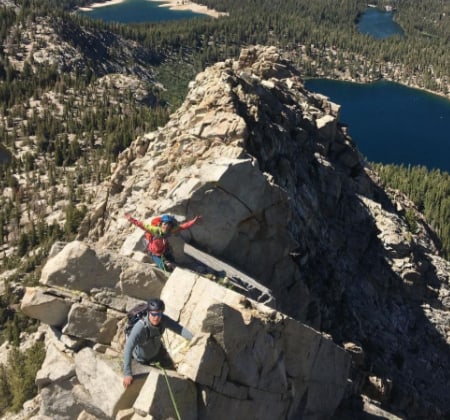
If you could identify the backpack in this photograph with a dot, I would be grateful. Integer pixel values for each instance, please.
(148, 237)
(156, 221)
(160, 247)
(134, 315)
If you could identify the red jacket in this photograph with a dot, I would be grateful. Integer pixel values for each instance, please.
(156, 237)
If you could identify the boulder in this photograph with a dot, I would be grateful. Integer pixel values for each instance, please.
(57, 367)
(85, 321)
(76, 266)
(59, 402)
(164, 394)
(48, 308)
(101, 379)
(247, 354)
(80, 267)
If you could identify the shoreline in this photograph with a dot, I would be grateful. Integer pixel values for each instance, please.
(189, 5)
(97, 5)
(171, 4)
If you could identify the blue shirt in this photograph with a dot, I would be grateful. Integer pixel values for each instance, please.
(144, 341)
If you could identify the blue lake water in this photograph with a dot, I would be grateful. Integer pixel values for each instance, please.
(4, 154)
(378, 24)
(391, 123)
(138, 11)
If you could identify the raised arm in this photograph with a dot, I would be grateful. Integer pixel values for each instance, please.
(134, 221)
(144, 226)
(190, 223)
(177, 328)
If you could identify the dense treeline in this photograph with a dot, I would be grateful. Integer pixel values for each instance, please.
(430, 192)
(292, 23)
(17, 378)
(323, 24)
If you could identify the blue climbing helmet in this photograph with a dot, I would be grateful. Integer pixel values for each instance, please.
(165, 218)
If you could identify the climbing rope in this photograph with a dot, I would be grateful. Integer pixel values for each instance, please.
(172, 397)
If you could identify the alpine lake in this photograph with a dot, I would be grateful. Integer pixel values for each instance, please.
(138, 11)
(389, 122)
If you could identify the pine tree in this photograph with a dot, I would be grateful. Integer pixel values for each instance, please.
(15, 373)
(21, 373)
(5, 392)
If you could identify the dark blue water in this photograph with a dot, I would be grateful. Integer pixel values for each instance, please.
(4, 154)
(138, 11)
(391, 123)
(379, 24)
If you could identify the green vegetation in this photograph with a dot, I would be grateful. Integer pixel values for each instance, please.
(430, 192)
(17, 379)
(319, 26)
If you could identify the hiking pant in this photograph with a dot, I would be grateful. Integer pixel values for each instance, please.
(161, 261)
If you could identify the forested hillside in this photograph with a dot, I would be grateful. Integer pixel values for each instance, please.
(74, 93)
(430, 192)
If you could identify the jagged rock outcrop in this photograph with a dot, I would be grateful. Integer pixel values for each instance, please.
(71, 47)
(287, 199)
(246, 360)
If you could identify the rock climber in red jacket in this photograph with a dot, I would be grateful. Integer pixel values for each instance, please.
(156, 237)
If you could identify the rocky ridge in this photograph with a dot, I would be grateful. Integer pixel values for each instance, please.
(330, 243)
(71, 47)
(287, 199)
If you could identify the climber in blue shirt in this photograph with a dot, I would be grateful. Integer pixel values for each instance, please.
(144, 341)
